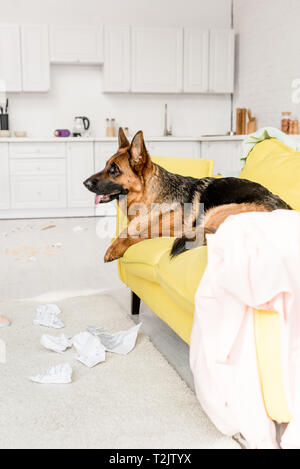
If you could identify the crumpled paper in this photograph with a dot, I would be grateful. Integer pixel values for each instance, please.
(120, 342)
(90, 350)
(56, 344)
(47, 316)
(78, 229)
(59, 374)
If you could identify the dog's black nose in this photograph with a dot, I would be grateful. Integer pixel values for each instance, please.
(88, 183)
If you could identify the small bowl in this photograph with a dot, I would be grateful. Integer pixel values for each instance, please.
(4, 133)
(21, 134)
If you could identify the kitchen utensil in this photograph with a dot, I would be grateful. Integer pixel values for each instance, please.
(238, 122)
(81, 126)
(252, 127)
(4, 122)
(20, 134)
(4, 133)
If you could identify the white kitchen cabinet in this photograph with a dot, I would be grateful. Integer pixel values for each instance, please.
(4, 177)
(35, 58)
(196, 48)
(226, 155)
(157, 60)
(174, 149)
(10, 57)
(80, 164)
(37, 150)
(38, 191)
(117, 61)
(103, 152)
(48, 166)
(221, 61)
(76, 44)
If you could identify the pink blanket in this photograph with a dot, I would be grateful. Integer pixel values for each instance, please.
(253, 262)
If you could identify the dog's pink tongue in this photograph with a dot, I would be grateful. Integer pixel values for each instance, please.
(97, 199)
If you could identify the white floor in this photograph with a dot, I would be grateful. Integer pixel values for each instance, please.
(59, 263)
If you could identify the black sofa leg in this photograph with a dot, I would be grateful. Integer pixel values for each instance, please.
(135, 304)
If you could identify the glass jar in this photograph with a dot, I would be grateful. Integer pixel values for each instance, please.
(285, 121)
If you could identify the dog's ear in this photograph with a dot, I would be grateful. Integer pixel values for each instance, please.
(138, 153)
(123, 142)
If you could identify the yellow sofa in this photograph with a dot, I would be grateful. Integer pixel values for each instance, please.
(168, 286)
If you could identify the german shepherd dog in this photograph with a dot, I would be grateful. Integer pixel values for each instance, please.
(135, 181)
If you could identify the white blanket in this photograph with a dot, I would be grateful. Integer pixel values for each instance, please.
(253, 262)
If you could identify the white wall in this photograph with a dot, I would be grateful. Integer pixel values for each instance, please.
(268, 51)
(77, 90)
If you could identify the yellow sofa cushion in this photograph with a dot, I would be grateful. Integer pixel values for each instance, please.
(195, 167)
(141, 259)
(180, 276)
(268, 345)
(277, 167)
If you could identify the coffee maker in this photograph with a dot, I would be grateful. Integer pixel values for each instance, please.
(81, 126)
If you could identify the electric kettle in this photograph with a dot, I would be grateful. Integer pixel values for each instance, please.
(81, 126)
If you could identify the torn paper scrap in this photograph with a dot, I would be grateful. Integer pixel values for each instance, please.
(56, 344)
(56, 245)
(47, 316)
(59, 374)
(49, 308)
(77, 229)
(49, 227)
(121, 342)
(90, 350)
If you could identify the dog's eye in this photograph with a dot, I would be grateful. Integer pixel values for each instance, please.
(114, 169)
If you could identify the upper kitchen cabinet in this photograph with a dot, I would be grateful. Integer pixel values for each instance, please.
(35, 58)
(221, 61)
(117, 59)
(24, 57)
(157, 59)
(76, 44)
(10, 57)
(196, 59)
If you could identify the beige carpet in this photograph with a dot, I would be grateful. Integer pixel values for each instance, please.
(134, 401)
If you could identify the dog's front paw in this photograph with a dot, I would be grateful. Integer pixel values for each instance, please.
(111, 254)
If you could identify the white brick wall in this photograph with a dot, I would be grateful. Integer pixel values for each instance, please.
(268, 57)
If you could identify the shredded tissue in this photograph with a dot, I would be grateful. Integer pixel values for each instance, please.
(59, 374)
(90, 349)
(120, 342)
(56, 344)
(47, 316)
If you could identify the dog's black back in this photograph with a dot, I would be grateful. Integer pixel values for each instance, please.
(223, 191)
(238, 191)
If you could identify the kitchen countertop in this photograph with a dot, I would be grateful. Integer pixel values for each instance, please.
(114, 139)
